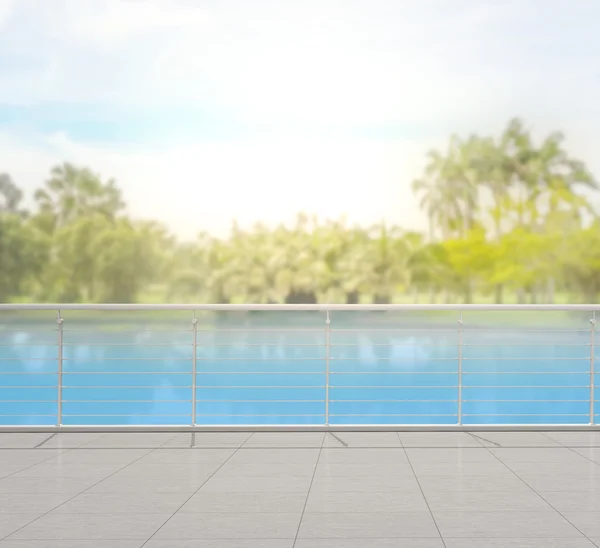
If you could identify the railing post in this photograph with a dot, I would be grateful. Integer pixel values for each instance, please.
(592, 367)
(327, 352)
(194, 346)
(59, 383)
(460, 368)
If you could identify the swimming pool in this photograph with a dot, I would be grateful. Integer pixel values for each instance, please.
(276, 368)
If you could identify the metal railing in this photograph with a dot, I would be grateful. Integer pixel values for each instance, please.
(202, 367)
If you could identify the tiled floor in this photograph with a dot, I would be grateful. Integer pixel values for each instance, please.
(300, 490)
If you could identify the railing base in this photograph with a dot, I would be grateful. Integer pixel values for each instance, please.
(307, 428)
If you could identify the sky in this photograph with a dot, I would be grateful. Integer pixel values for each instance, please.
(205, 111)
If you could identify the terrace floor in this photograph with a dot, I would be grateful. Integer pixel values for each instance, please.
(302, 490)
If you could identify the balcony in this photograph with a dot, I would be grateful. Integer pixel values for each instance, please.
(300, 367)
(298, 427)
(300, 489)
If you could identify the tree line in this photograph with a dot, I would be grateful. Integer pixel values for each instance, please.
(509, 220)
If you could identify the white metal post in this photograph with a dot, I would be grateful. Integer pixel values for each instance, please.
(194, 346)
(59, 395)
(592, 367)
(460, 368)
(327, 352)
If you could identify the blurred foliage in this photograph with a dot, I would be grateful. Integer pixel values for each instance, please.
(508, 218)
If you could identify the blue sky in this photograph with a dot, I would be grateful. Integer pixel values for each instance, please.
(207, 111)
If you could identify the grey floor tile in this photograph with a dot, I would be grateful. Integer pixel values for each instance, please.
(274, 455)
(515, 439)
(167, 470)
(182, 456)
(574, 501)
(268, 469)
(27, 457)
(371, 543)
(70, 469)
(12, 469)
(18, 503)
(504, 524)
(22, 440)
(455, 455)
(438, 439)
(129, 440)
(216, 440)
(122, 456)
(537, 455)
(363, 455)
(464, 468)
(591, 453)
(517, 543)
(70, 440)
(361, 469)
(292, 439)
(222, 543)
(92, 527)
(584, 468)
(275, 484)
(362, 439)
(142, 484)
(71, 543)
(209, 502)
(364, 483)
(366, 501)
(486, 501)
(47, 485)
(124, 503)
(587, 522)
(367, 526)
(581, 483)
(572, 439)
(9, 523)
(431, 483)
(230, 526)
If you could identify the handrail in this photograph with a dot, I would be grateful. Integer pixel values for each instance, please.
(305, 307)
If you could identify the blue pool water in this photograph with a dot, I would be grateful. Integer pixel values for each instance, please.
(276, 374)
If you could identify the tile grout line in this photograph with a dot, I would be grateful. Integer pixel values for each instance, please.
(194, 493)
(44, 441)
(572, 449)
(538, 494)
(85, 490)
(308, 492)
(421, 489)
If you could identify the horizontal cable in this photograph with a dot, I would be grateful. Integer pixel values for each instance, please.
(526, 372)
(128, 415)
(120, 386)
(260, 372)
(257, 386)
(394, 401)
(260, 415)
(309, 359)
(30, 401)
(126, 401)
(259, 401)
(526, 415)
(127, 372)
(528, 359)
(28, 373)
(392, 415)
(526, 386)
(527, 401)
(27, 415)
(392, 386)
(394, 372)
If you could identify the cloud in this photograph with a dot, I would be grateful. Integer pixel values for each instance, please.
(205, 186)
(207, 111)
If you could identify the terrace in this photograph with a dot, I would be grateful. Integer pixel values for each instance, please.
(298, 426)
(300, 489)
